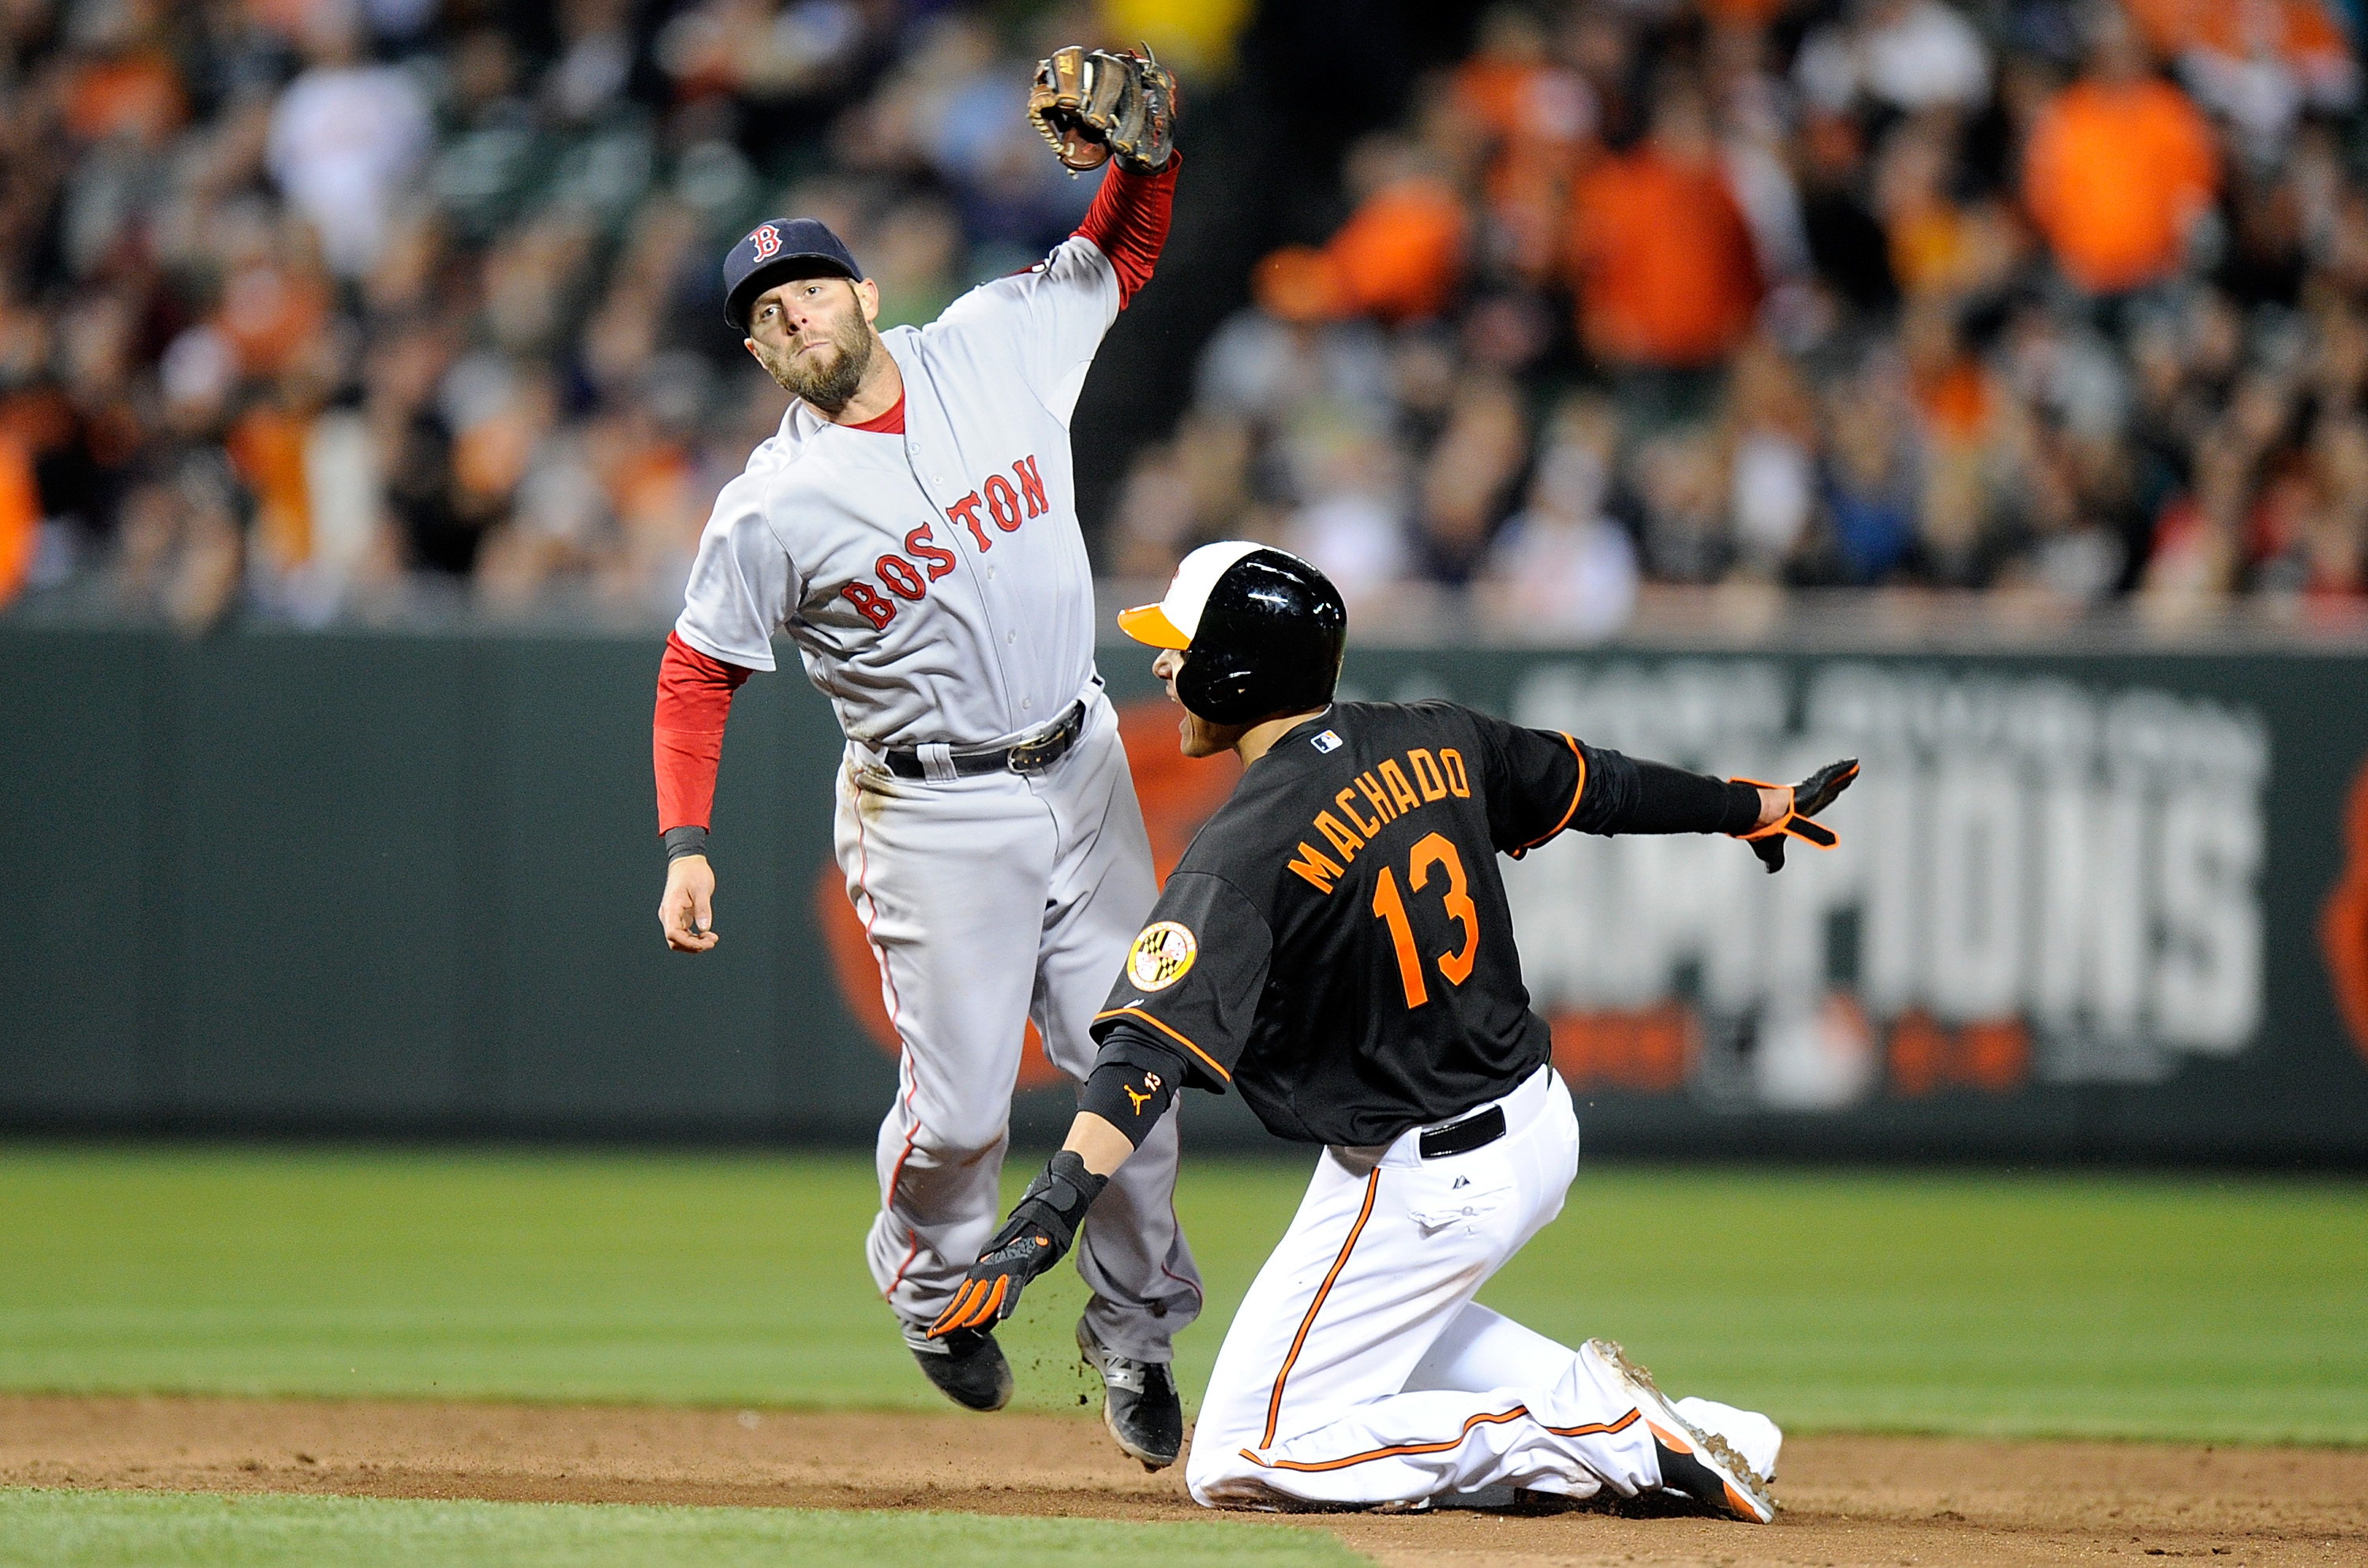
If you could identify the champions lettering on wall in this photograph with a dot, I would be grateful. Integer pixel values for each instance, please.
(1683, 1031)
(2037, 880)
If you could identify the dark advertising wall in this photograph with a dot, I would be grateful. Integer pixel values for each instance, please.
(2084, 906)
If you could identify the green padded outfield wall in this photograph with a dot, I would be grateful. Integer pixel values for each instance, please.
(2086, 905)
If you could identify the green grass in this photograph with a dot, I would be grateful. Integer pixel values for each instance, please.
(2193, 1308)
(126, 1529)
(2203, 1308)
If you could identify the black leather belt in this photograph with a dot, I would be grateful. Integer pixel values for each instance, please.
(1475, 1131)
(1028, 757)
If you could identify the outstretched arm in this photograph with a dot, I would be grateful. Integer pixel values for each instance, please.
(1128, 222)
(1542, 782)
(1627, 795)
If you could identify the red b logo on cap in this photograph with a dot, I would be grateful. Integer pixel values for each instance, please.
(768, 241)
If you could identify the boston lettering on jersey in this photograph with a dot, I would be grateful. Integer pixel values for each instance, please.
(1389, 792)
(1005, 505)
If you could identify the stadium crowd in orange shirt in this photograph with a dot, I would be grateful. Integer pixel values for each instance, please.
(330, 309)
(2061, 302)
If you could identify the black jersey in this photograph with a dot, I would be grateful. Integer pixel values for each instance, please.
(1335, 943)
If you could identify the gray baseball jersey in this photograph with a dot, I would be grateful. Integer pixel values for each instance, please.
(937, 587)
(935, 583)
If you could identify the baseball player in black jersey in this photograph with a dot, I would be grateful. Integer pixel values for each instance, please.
(1336, 946)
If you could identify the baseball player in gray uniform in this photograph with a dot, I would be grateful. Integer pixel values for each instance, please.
(911, 529)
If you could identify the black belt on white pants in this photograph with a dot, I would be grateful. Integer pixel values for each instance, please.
(943, 762)
(1477, 1130)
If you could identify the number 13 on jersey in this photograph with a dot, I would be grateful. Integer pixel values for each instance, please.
(1433, 851)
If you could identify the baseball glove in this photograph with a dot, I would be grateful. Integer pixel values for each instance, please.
(1091, 105)
(1810, 796)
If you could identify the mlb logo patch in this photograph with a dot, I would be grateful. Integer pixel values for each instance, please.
(768, 241)
(1326, 742)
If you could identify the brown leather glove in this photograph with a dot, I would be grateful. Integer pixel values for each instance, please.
(1091, 105)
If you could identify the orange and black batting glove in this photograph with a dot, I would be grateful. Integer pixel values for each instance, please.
(1043, 1224)
(1810, 796)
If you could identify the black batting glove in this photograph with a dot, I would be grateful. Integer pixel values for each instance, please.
(1043, 1224)
(1810, 796)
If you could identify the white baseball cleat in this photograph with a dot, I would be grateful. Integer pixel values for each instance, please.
(1747, 1432)
(1702, 1465)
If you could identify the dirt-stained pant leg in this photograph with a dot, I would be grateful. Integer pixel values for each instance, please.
(945, 877)
(1485, 1349)
(1132, 1252)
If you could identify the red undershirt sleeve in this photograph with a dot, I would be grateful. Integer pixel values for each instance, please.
(1128, 222)
(687, 731)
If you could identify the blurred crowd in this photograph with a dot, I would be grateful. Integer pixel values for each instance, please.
(2053, 301)
(334, 310)
(339, 310)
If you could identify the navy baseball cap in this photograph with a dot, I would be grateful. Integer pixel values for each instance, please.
(776, 250)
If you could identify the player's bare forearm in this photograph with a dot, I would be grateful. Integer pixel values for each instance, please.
(1096, 1140)
(687, 911)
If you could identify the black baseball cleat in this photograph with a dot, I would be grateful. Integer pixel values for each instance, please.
(1140, 1405)
(1684, 1472)
(967, 1366)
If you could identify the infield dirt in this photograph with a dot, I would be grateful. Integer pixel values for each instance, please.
(1847, 1500)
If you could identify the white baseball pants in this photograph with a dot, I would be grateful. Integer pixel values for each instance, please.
(1360, 1372)
(990, 901)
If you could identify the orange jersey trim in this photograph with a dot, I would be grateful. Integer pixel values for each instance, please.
(1274, 1401)
(1163, 1029)
(1593, 1429)
(1575, 794)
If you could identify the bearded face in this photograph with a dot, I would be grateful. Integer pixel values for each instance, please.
(824, 364)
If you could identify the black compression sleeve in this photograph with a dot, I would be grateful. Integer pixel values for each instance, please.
(1126, 1041)
(1652, 797)
(1129, 1096)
